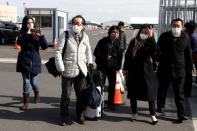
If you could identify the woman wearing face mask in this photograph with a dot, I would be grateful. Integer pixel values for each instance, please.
(108, 60)
(139, 66)
(29, 61)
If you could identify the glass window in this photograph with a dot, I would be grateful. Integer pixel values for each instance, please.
(34, 12)
(46, 21)
(37, 21)
(61, 22)
(43, 21)
(2, 25)
(45, 12)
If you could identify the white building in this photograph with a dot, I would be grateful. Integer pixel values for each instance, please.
(8, 13)
(144, 20)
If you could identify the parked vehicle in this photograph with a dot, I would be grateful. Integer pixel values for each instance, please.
(8, 32)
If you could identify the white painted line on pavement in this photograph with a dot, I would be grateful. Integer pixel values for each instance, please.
(103, 32)
(195, 124)
(13, 60)
(7, 60)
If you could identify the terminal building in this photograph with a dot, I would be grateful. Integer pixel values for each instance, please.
(108, 24)
(137, 22)
(92, 25)
(8, 13)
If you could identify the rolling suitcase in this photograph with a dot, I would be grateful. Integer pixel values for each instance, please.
(91, 113)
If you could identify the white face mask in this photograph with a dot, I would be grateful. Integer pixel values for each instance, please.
(76, 29)
(30, 26)
(143, 36)
(176, 32)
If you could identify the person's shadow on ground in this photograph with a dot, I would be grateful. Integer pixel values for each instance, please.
(50, 114)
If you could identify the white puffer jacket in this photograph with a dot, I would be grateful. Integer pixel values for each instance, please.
(76, 56)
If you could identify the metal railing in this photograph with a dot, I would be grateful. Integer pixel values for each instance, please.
(171, 9)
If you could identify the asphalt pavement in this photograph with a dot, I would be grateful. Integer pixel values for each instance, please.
(45, 115)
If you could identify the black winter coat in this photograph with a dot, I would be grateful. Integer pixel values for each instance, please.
(29, 60)
(142, 80)
(175, 55)
(104, 48)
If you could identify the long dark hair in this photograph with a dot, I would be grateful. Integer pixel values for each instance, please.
(24, 24)
(112, 28)
(145, 26)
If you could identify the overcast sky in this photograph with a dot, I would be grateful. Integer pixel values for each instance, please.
(95, 10)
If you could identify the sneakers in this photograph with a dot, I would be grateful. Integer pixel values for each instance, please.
(154, 120)
(134, 117)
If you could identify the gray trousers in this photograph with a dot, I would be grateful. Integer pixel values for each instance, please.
(79, 84)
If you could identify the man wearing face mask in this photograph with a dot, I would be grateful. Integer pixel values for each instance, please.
(73, 67)
(175, 55)
(108, 60)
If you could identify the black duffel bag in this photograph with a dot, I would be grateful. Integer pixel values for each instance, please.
(91, 93)
(51, 67)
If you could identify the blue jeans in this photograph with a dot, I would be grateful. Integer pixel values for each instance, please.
(30, 79)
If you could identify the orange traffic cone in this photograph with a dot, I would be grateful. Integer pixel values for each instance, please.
(54, 43)
(117, 93)
(16, 44)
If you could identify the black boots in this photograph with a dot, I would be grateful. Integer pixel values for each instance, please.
(36, 97)
(25, 102)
